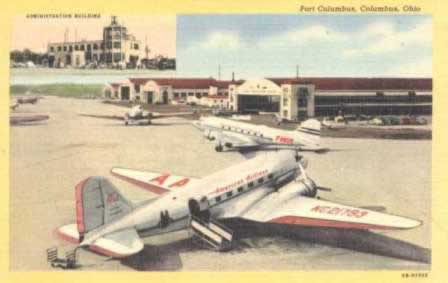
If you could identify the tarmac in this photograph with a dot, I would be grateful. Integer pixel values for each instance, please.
(48, 159)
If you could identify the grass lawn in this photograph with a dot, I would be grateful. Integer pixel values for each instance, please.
(63, 90)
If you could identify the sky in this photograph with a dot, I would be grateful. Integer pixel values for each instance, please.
(256, 46)
(35, 34)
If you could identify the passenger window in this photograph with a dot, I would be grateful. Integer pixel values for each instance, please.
(240, 189)
(251, 184)
(261, 180)
(270, 176)
(218, 199)
(229, 194)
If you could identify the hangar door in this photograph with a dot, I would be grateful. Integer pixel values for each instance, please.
(125, 93)
(258, 103)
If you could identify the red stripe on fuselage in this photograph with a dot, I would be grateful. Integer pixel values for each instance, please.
(305, 221)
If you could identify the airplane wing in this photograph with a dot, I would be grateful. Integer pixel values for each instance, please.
(158, 183)
(109, 117)
(156, 115)
(236, 141)
(18, 120)
(307, 211)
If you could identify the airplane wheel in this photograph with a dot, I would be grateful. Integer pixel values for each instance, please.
(126, 123)
(219, 148)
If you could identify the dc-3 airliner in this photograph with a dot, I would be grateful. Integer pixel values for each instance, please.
(269, 187)
(136, 116)
(234, 135)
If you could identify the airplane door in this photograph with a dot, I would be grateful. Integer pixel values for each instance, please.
(200, 209)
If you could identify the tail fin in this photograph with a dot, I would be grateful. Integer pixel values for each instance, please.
(310, 126)
(98, 202)
(310, 131)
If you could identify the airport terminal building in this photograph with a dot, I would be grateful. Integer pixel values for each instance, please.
(292, 98)
(117, 48)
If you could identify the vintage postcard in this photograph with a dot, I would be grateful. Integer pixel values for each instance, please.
(208, 137)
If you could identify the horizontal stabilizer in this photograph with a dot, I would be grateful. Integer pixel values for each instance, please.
(158, 183)
(68, 233)
(118, 244)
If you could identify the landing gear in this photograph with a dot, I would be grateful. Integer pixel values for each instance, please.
(219, 148)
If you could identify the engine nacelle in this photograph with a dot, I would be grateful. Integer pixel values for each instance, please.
(210, 135)
(304, 187)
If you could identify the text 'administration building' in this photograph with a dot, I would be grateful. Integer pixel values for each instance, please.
(116, 48)
(291, 98)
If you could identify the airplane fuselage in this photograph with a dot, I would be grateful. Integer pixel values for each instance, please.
(262, 134)
(252, 179)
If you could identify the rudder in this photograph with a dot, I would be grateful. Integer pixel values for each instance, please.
(312, 129)
(98, 202)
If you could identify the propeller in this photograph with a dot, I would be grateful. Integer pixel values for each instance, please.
(309, 181)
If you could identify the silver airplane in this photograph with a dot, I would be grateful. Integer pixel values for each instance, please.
(136, 116)
(235, 135)
(270, 187)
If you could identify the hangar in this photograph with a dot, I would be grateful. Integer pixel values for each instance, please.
(298, 98)
(291, 98)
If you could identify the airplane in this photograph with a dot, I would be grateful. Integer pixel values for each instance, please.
(229, 134)
(269, 187)
(26, 119)
(138, 116)
(14, 106)
(28, 100)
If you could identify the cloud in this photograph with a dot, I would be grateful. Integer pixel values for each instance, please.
(383, 37)
(302, 36)
(419, 68)
(221, 40)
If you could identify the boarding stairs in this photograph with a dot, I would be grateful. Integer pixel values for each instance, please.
(211, 233)
(69, 262)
